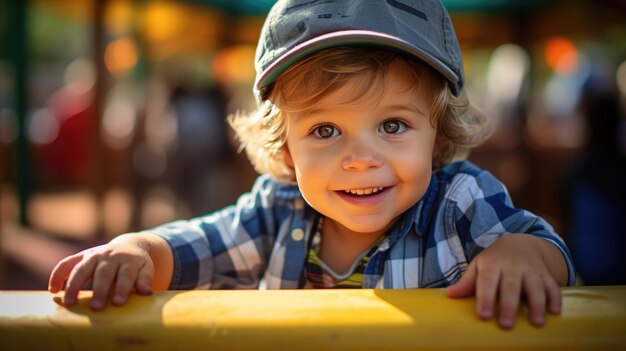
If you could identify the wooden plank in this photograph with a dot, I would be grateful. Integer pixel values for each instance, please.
(593, 318)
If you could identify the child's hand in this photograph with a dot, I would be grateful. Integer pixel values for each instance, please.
(514, 266)
(114, 269)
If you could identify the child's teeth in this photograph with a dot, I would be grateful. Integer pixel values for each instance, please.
(366, 191)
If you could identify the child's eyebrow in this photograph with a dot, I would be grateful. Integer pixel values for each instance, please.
(404, 107)
(415, 108)
(308, 113)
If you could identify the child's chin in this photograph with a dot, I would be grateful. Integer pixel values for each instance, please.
(366, 225)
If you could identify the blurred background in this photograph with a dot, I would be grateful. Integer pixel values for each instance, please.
(112, 118)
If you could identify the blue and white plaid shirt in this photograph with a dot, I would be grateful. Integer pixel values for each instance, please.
(262, 241)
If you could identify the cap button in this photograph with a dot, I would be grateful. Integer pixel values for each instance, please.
(297, 234)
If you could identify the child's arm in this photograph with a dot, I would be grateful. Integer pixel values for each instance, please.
(513, 266)
(137, 261)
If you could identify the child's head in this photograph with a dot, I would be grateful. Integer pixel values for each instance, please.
(309, 51)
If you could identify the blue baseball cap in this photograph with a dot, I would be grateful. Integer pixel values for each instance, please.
(295, 29)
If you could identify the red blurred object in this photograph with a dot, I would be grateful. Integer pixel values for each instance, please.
(64, 160)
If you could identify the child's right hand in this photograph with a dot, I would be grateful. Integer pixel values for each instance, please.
(114, 269)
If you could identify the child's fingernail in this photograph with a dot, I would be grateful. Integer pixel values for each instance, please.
(538, 320)
(506, 323)
(96, 304)
(144, 289)
(118, 299)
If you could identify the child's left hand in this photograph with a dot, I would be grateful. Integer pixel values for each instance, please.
(513, 266)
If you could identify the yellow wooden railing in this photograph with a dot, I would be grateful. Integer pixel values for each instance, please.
(593, 318)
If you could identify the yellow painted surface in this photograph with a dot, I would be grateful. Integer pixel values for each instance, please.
(593, 318)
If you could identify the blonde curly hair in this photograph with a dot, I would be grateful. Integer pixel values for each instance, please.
(262, 133)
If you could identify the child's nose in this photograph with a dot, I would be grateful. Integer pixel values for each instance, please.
(361, 154)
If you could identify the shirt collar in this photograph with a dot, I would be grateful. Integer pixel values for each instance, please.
(286, 191)
(427, 206)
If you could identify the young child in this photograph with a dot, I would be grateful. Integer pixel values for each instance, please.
(361, 113)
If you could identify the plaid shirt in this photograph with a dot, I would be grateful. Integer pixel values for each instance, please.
(262, 241)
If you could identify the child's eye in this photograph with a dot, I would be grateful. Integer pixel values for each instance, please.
(392, 126)
(326, 131)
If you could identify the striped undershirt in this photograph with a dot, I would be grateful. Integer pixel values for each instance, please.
(321, 276)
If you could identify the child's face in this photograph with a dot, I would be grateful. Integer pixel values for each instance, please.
(364, 165)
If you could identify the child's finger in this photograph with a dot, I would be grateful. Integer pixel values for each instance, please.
(145, 277)
(510, 291)
(535, 292)
(466, 286)
(126, 278)
(486, 290)
(61, 272)
(80, 274)
(102, 279)
(554, 295)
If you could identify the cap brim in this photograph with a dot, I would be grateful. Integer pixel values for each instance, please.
(347, 38)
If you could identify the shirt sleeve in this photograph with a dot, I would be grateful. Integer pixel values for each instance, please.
(227, 249)
(484, 211)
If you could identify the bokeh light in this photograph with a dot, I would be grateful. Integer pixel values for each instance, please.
(163, 20)
(118, 124)
(119, 17)
(234, 65)
(80, 76)
(43, 127)
(120, 56)
(562, 56)
(507, 74)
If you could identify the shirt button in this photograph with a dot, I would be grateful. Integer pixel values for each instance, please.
(297, 234)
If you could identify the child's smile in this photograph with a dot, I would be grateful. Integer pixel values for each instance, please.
(363, 163)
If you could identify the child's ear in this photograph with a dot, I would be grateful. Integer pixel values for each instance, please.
(287, 157)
